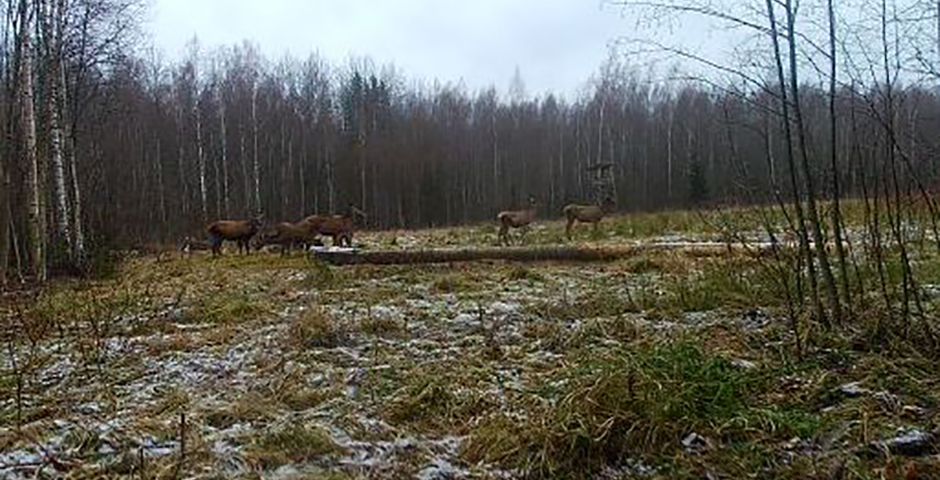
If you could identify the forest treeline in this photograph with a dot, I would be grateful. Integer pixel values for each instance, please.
(230, 133)
(106, 139)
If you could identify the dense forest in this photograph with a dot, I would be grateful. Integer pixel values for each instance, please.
(107, 140)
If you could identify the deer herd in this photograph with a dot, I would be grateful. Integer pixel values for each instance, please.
(340, 228)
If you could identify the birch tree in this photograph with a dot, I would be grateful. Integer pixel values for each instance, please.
(27, 145)
(52, 32)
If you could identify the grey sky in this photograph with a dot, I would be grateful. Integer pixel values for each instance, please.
(557, 44)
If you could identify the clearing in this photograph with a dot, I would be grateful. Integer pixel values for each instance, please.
(664, 365)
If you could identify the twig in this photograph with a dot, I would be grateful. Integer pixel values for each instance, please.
(179, 466)
(19, 385)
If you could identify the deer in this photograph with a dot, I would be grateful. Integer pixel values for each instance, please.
(339, 227)
(240, 231)
(515, 219)
(287, 235)
(584, 214)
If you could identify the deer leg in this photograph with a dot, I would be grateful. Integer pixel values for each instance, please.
(216, 243)
(568, 228)
(503, 233)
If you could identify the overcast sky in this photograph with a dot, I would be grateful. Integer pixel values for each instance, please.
(557, 44)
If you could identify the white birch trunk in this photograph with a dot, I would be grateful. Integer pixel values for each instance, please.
(53, 105)
(254, 158)
(28, 151)
(201, 158)
(227, 205)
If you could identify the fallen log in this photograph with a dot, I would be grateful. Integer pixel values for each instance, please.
(516, 254)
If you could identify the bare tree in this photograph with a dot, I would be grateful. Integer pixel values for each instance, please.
(52, 32)
(27, 137)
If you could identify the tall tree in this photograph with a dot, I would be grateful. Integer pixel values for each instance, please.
(27, 145)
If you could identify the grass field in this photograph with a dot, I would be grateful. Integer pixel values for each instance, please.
(665, 365)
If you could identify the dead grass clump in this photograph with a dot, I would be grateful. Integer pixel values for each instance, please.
(550, 335)
(171, 400)
(383, 326)
(642, 264)
(226, 307)
(426, 399)
(248, 408)
(291, 444)
(316, 327)
(658, 262)
(594, 303)
(521, 273)
(448, 284)
(300, 399)
(321, 275)
(176, 342)
(432, 402)
(631, 402)
(73, 308)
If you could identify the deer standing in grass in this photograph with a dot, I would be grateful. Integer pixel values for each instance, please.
(287, 235)
(515, 219)
(584, 214)
(240, 231)
(339, 227)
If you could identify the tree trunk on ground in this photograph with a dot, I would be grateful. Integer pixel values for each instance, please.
(527, 254)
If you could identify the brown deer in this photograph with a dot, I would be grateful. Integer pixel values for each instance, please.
(584, 214)
(515, 219)
(339, 227)
(240, 231)
(287, 235)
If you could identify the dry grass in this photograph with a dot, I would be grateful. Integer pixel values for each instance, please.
(315, 327)
(575, 368)
(295, 443)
